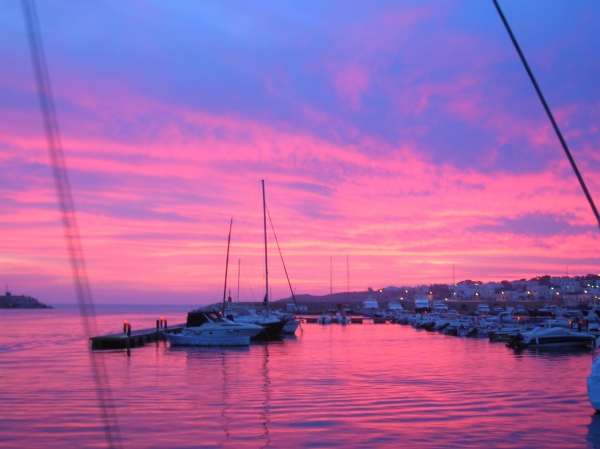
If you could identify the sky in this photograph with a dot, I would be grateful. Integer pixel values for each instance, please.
(398, 141)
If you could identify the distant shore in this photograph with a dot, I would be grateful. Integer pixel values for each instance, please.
(9, 301)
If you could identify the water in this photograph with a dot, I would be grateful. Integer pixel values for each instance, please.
(331, 386)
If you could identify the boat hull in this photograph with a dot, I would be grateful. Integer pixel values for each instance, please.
(593, 386)
(557, 342)
(207, 340)
(271, 332)
(291, 326)
(211, 333)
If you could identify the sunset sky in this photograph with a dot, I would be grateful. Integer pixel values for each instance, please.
(402, 134)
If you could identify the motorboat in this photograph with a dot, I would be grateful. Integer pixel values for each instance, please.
(291, 326)
(439, 306)
(291, 322)
(505, 334)
(422, 305)
(483, 309)
(547, 310)
(370, 306)
(210, 329)
(593, 381)
(551, 337)
(324, 319)
(395, 306)
(272, 325)
(342, 318)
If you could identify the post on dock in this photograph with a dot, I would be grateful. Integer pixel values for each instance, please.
(127, 331)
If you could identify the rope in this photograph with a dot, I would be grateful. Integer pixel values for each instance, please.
(549, 113)
(281, 255)
(69, 221)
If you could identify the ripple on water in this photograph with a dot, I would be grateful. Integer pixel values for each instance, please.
(333, 386)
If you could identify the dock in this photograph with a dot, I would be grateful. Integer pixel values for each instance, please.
(133, 339)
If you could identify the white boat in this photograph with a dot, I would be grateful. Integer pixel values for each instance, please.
(439, 306)
(370, 306)
(593, 381)
(210, 329)
(483, 309)
(342, 318)
(324, 319)
(422, 305)
(551, 337)
(291, 322)
(395, 306)
(291, 326)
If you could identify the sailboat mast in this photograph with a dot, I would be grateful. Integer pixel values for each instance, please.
(227, 266)
(331, 275)
(266, 261)
(348, 275)
(238, 289)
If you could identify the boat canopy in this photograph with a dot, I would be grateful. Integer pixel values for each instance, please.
(195, 319)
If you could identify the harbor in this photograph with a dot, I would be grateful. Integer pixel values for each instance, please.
(343, 386)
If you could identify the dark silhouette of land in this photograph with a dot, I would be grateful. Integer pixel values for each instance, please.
(9, 301)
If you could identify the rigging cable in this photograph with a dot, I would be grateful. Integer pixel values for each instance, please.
(281, 255)
(69, 222)
(550, 116)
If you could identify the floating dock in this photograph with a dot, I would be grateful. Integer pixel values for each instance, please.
(128, 339)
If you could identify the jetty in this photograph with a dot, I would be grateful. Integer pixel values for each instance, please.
(132, 339)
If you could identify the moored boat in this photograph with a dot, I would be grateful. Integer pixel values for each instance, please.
(593, 381)
(324, 319)
(551, 337)
(272, 325)
(342, 318)
(210, 329)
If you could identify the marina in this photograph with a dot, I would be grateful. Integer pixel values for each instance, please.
(328, 386)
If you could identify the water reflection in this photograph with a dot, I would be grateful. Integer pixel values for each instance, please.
(225, 400)
(244, 402)
(358, 386)
(552, 353)
(267, 398)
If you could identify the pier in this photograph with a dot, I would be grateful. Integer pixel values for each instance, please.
(128, 339)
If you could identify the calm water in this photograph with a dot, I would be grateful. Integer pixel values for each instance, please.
(331, 386)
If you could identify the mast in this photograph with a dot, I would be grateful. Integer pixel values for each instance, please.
(266, 301)
(238, 289)
(227, 266)
(331, 275)
(348, 274)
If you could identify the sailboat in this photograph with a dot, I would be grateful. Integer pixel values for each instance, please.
(211, 329)
(273, 326)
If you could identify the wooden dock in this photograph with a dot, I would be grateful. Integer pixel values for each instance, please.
(132, 339)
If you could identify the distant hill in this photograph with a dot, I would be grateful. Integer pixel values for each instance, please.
(9, 301)
(343, 297)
